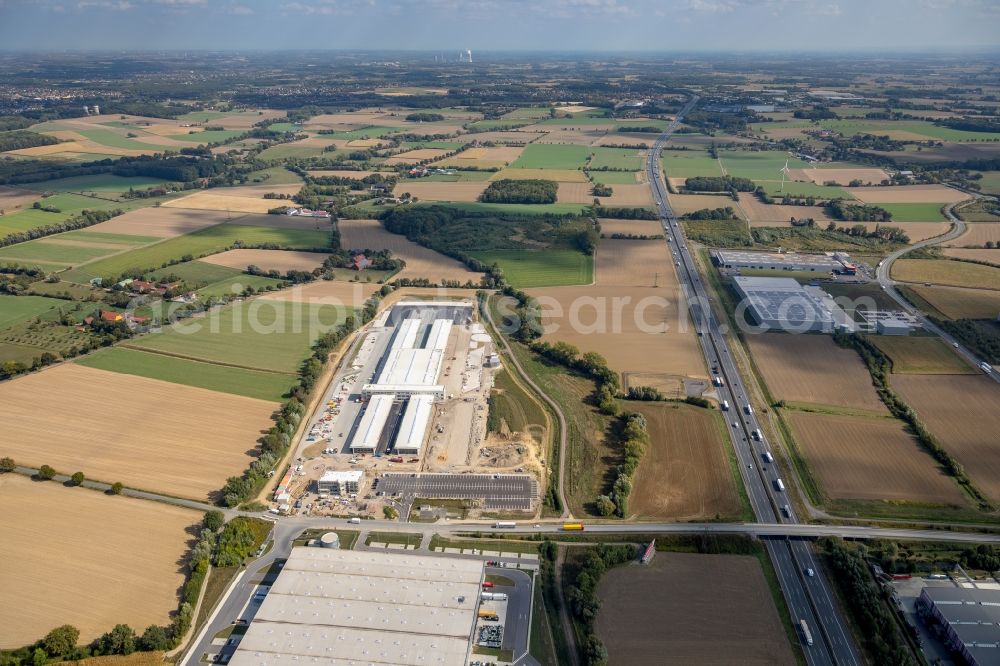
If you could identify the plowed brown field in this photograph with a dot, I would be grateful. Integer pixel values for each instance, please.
(963, 412)
(811, 368)
(114, 560)
(685, 608)
(146, 433)
(868, 458)
(634, 227)
(688, 203)
(420, 261)
(685, 474)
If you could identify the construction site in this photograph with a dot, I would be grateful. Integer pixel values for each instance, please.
(410, 402)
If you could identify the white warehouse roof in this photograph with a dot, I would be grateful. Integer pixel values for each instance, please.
(416, 418)
(406, 334)
(440, 330)
(339, 607)
(373, 422)
(342, 476)
(411, 366)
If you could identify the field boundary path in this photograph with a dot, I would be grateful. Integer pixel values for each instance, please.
(883, 274)
(564, 619)
(552, 403)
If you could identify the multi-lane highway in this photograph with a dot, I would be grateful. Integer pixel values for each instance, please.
(805, 587)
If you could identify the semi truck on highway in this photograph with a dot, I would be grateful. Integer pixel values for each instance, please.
(747, 408)
(725, 405)
(780, 485)
(806, 634)
(756, 434)
(768, 457)
(986, 367)
(504, 524)
(572, 527)
(717, 380)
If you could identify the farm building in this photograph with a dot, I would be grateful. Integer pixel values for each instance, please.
(785, 305)
(339, 482)
(970, 618)
(344, 606)
(787, 261)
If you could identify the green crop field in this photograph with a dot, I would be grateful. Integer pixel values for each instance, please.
(990, 182)
(115, 140)
(196, 273)
(284, 151)
(257, 334)
(104, 182)
(52, 252)
(205, 241)
(528, 113)
(613, 177)
(689, 164)
(458, 177)
(801, 189)
(541, 268)
(202, 116)
(211, 136)
(853, 127)
(482, 125)
(552, 156)
(239, 381)
(530, 209)
(947, 272)
(440, 145)
(275, 176)
(236, 285)
(763, 165)
(26, 220)
(373, 132)
(630, 159)
(922, 355)
(14, 309)
(74, 203)
(102, 237)
(914, 212)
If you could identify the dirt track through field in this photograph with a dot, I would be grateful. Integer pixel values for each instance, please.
(77, 556)
(963, 412)
(706, 609)
(811, 368)
(685, 474)
(860, 457)
(146, 433)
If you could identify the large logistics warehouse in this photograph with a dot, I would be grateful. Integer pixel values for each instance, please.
(971, 619)
(785, 305)
(332, 606)
(834, 262)
(410, 369)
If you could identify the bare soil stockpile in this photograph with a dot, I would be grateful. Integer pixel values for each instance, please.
(870, 458)
(958, 303)
(77, 556)
(907, 194)
(813, 369)
(685, 474)
(278, 260)
(963, 412)
(441, 191)
(420, 261)
(706, 609)
(146, 433)
(159, 221)
(921, 355)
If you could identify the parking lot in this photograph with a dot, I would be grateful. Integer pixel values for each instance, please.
(510, 492)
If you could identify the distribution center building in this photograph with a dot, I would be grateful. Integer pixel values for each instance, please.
(836, 262)
(331, 606)
(785, 305)
(971, 620)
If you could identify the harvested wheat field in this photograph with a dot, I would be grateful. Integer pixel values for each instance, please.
(959, 303)
(963, 412)
(80, 557)
(281, 221)
(632, 263)
(560, 175)
(813, 369)
(484, 158)
(761, 214)
(146, 433)
(258, 191)
(420, 261)
(947, 272)
(160, 221)
(907, 194)
(870, 458)
(575, 193)
(629, 195)
(323, 292)
(617, 140)
(685, 474)
(13, 198)
(209, 200)
(840, 176)
(66, 147)
(682, 595)
(582, 137)
(441, 191)
(411, 156)
(511, 137)
(922, 355)
(365, 143)
(977, 235)
(269, 260)
(990, 256)
(342, 173)
(688, 203)
(635, 227)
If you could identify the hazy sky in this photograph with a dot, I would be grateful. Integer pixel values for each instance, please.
(579, 25)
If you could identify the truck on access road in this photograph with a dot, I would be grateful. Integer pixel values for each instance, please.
(572, 527)
(494, 596)
(504, 524)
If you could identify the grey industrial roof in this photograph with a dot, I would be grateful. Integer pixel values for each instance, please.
(974, 615)
(775, 258)
(337, 607)
(782, 299)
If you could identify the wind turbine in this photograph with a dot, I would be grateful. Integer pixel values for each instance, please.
(784, 172)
